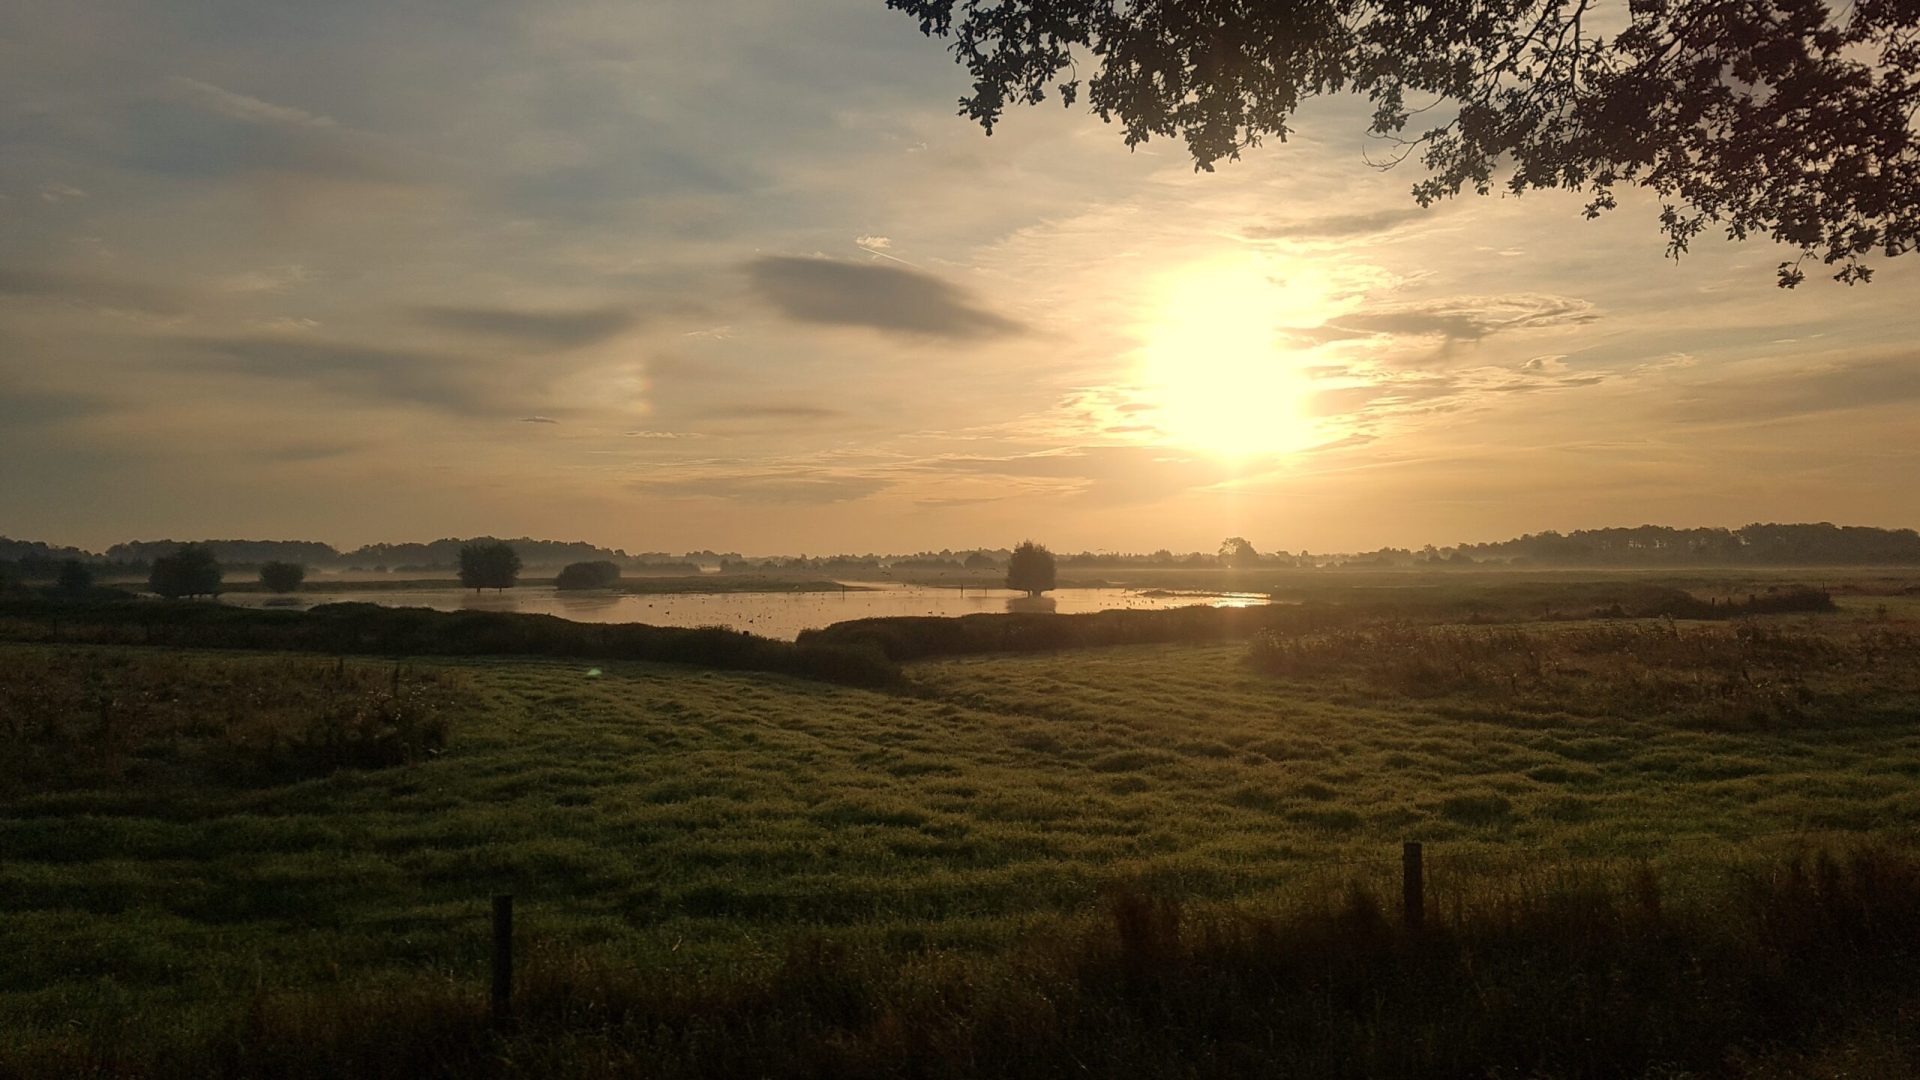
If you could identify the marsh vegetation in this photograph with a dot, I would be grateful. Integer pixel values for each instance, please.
(1657, 847)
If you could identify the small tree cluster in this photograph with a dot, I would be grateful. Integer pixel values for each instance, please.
(489, 564)
(189, 571)
(600, 574)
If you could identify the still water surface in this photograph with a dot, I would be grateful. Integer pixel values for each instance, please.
(775, 615)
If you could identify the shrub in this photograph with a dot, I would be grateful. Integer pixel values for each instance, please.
(282, 577)
(189, 571)
(588, 575)
(489, 564)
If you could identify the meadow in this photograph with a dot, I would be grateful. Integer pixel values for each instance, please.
(1655, 847)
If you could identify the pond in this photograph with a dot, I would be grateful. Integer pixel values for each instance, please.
(776, 615)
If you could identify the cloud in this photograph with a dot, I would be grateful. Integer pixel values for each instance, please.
(538, 420)
(663, 435)
(543, 329)
(1336, 226)
(892, 299)
(1893, 380)
(773, 412)
(379, 375)
(812, 487)
(22, 406)
(1112, 475)
(100, 293)
(214, 99)
(873, 243)
(1468, 318)
(53, 191)
(196, 129)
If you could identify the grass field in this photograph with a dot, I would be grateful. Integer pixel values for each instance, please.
(783, 857)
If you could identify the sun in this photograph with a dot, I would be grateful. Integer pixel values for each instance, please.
(1214, 366)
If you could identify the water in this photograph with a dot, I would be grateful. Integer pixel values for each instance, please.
(774, 615)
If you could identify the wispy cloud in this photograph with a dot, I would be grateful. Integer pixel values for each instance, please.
(372, 374)
(543, 329)
(238, 106)
(1467, 318)
(94, 292)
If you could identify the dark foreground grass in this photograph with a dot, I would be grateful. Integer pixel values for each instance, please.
(1577, 976)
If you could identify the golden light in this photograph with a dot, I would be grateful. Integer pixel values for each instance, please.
(1214, 365)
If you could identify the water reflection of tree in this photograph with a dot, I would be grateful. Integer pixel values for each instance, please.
(1043, 605)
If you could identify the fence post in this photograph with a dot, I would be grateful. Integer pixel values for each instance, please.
(503, 958)
(1413, 890)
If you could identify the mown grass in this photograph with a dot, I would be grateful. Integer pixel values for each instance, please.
(1150, 860)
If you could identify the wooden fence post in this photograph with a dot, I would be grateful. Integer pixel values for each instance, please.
(1413, 889)
(503, 958)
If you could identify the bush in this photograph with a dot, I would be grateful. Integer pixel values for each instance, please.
(282, 577)
(190, 571)
(489, 564)
(588, 575)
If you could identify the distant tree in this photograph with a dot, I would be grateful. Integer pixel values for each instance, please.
(75, 577)
(282, 577)
(600, 574)
(189, 571)
(1237, 553)
(980, 560)
(489, 564)
(1789, 119)
(1030, 569)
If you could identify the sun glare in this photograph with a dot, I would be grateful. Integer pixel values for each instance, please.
(1215, 367)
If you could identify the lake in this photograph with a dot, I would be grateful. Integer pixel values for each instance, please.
(774, 615)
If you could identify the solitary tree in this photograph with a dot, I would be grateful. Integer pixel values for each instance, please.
(189, 571)
(1030, 569)
(282, 577)
(75, 577)
(601, 574)
(489, 564)
(1790, 119)
(1236, 552)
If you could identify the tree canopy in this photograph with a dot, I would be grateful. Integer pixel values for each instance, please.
(1789, 119)
(1030, 569)
(491, 564)
(189, 571)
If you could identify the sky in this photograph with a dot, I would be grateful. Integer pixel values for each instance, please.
(732, 274)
